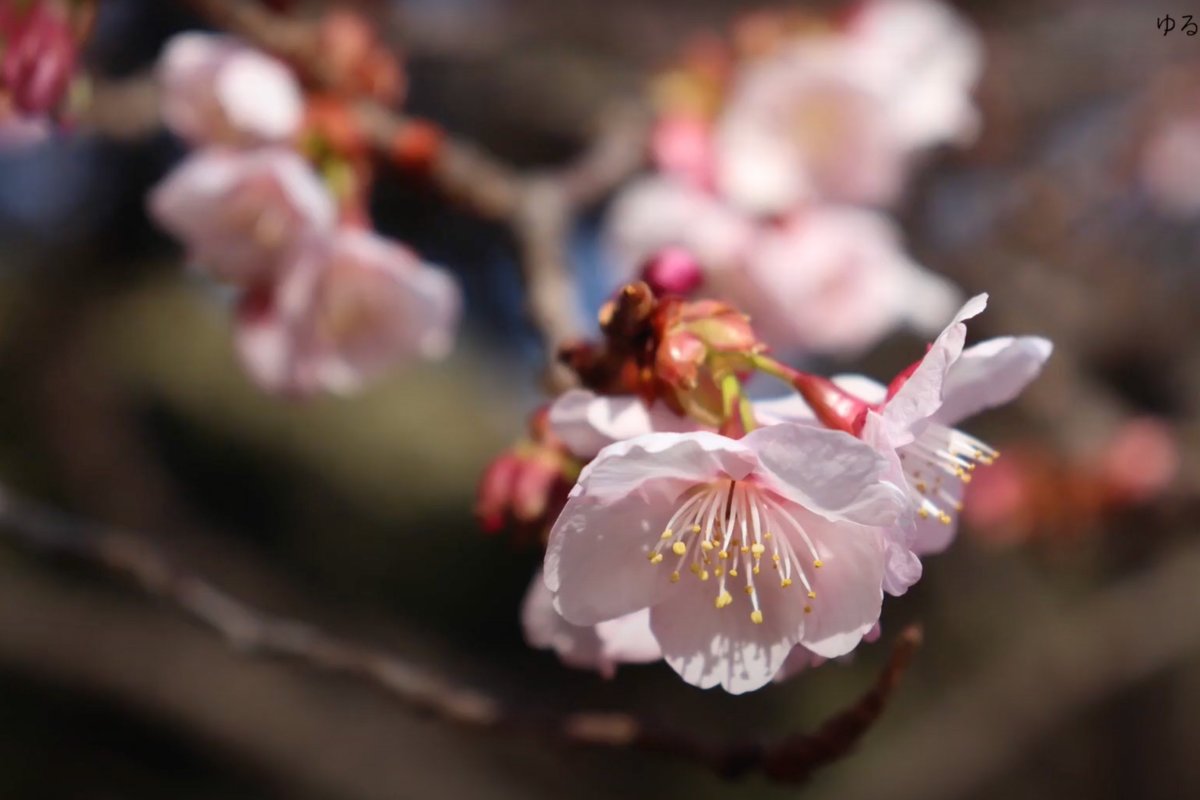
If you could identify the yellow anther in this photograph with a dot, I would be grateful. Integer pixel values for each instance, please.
(656, 557)
(695, 529)
(675, 576)
(923, 513)
(749, 590)
(733, 573)
(786, 582)
(756, 570)
(818, 563)
(767, 535)
(724, 599)
(719, 571)
(812, 595)
(965, 478)
(757, 550)
(679, 548)
(724, 554)
(695, 568)
(808, 609)
(756, 617)
(775, 557)
(944, 518)
(703, 574)
(667, 534)
(921, 487)
(707, 545)
(745, 549)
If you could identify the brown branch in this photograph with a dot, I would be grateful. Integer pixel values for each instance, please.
(538, 207)
(135, 560)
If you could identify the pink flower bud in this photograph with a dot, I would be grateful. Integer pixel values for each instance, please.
(673, 271)
(39, 60)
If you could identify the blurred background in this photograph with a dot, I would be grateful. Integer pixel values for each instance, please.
(1062, 631)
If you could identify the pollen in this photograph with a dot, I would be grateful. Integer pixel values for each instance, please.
(703, 574)
(675, 576)
(757, 550)
(679, 548)
(785, 582)
(812, 595)
(667, 534)
(706, 545)
(656, 558)
(818, 563)
(723, 599)
(808, 609)
(756, 617)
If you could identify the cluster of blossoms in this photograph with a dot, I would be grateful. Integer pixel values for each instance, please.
(741, 540)
(39, 51)
(273, 203)
(775, 154)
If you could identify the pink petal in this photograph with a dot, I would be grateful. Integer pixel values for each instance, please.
(596, 560)
(990, 374)
(828, 472)
(664, 460)
(708, 646)
(848, 586)
(921, 394)
(587, 422)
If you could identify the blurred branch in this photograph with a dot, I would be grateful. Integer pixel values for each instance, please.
(1060, 667)
(539, 207)
(134, 559)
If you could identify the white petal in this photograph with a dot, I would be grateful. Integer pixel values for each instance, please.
(990, 374)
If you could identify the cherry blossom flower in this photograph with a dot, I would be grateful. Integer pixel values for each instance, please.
(600, 647)
(912, 424)
(786, 518)
(350, 306)
(219, 91)
(837, 116)
(587, 423)
(240, 214)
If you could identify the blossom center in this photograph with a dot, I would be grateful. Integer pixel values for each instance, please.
(725, 531)
(937, 463)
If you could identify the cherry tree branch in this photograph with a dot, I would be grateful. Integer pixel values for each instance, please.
(134, 559)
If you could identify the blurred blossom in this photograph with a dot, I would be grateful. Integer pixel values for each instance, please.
(600, 647)
(241, 214)
(827, 279)
(830, 112)
(786, 504)
(836, 280)
(1170, 166)
(219, 91)
(1141, 460)
(673, 270)
(350, 306)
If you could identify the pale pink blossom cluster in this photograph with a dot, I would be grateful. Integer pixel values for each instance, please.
(324, 305)
(739, 561)
(776, 181)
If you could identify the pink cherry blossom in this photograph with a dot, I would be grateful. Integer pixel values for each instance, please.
(600, 647)
(351, 305)
(219, 91)
(836, 280)
(240, 214)
(786, 518)
(837, 116)
(912, 425)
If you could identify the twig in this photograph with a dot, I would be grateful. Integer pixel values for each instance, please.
(134, 559)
